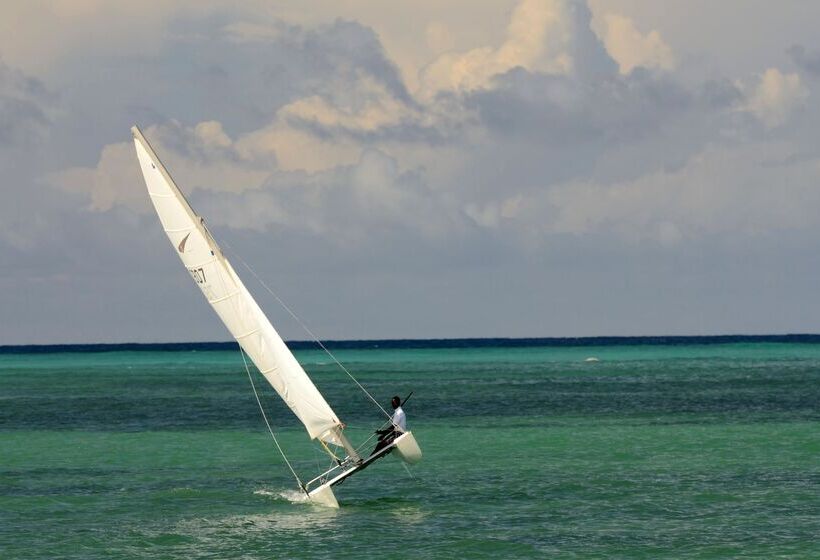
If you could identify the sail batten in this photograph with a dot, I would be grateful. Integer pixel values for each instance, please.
(223, 298)
(231, 300)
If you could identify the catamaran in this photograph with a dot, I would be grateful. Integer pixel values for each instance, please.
(257, 338)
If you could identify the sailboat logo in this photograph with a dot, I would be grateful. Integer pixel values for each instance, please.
(181, 245)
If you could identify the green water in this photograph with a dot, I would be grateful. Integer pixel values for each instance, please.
(653, 452)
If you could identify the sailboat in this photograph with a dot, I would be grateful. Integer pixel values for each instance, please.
(213, 274)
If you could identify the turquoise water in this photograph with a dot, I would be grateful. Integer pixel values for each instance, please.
(682, 451)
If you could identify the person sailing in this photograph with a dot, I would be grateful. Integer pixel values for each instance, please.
(398, 425)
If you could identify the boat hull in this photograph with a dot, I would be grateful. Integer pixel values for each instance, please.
(406, 448)
(324, 496)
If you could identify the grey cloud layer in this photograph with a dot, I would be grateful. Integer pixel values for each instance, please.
(309, 136)
(525, 132)
(24, 108)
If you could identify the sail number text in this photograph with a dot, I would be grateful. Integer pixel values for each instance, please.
(198, 275)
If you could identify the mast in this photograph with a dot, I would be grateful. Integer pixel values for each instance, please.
(233, 303)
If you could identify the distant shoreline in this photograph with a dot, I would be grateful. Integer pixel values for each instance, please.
(397, 344)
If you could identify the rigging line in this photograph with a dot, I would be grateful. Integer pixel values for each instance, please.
(256, 395)
(265, 416)
(307, 330)
(365, 442)
(408, 471)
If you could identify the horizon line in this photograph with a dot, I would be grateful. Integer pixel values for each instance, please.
(410, 343)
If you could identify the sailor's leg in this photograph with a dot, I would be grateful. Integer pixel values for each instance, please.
(384, 441)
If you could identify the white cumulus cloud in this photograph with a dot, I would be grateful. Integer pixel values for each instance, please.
(538, 39)
(199, 157)
(775, 96)
(630, 48)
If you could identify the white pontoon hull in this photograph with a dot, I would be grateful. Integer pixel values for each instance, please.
(406, 448)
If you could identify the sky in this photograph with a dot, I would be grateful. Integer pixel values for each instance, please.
(514, 168)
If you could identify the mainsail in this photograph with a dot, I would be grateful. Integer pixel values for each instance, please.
(233, 303)
(247, 323)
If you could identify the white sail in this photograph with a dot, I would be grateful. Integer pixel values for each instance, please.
(233, 303)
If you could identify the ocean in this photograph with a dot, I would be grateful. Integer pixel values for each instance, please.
(578, 448)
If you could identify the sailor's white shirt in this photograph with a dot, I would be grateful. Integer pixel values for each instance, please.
(400, 420)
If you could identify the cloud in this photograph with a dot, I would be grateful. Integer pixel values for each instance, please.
(808, 62)
(53, 30)
(350, 205)
(544, 36)
(201, 157)
(25, 107)
(724, 190)
(239, 184)
(357, 103)
(376, 112)
(558, 109)
(438, 36)
(775, 96)
(537, 157)
(342, 53)
(529, 146)
(631, 49)
(28, 110)
(361, 146)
